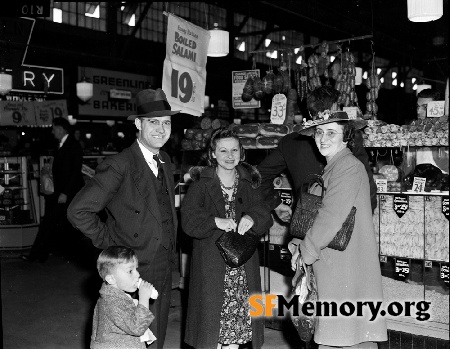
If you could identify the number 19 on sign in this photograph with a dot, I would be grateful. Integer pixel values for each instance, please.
(182, 83)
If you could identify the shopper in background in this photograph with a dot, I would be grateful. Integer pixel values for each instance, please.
(136, 189)
(67, 181)
(119, 321)
(223, 197)
(437, 156)
(300, 157)
(352, 275)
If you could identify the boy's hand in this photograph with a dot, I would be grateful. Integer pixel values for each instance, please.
(146, 291)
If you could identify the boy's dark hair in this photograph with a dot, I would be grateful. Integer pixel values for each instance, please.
(429, 93)
(112, 256)
(321, 99)
(222, 133)
(62, 122)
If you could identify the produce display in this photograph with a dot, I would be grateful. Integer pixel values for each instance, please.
(402, 237)
(422, 132)
(198, 138)
(436, 231)
(396, 291)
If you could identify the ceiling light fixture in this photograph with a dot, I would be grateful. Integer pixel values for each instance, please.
(5, 82)
(425, 10)
(267, 42)
(85, 89)
(219, 44)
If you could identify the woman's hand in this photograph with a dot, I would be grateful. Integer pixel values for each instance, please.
(295, 250)
(226, 224)
(245, 224)
(284, 212)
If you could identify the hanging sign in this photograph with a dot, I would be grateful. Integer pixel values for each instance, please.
(400, 204)
(278, 112)
(38, 79)
(381, 185)
(444, 273)
(435, 109)
(445, 206)
(401, 268)
(286, 196)
(419, 184)
(17, 113)
(45, 112)
(184, 76)
(239, 78)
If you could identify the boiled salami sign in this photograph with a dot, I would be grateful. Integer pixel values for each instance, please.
(184, 77)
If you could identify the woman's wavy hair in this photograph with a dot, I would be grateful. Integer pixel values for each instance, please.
(222, 133)
(348, 133)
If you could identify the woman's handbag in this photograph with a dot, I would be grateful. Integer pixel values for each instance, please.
(305, 286)
(306, 211)
(236, 249)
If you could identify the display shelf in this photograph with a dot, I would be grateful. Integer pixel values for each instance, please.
(18, 211)
(425, 193)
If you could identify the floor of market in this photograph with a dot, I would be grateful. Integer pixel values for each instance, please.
(50, 305)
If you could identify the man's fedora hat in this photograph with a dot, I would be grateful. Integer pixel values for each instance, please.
(327, 116)
(152, 103)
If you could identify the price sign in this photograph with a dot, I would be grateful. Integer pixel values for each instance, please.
(402, 268)
(47, 111)
(381, 185)
(286, 196)
(444, 273)
(445, 206)
(352, 112)
(184, 74)
(278, 112)
(435, 109)
(419, 184)
(428, 264)
(17, 113)
(400, 204)
(383, 259)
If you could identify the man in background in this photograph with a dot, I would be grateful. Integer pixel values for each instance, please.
(55, 232)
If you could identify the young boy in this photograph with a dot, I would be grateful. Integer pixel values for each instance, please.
(119, 321)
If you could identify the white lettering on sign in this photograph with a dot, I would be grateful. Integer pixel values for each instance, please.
(32, 10)
(47, 79)
(28, 76)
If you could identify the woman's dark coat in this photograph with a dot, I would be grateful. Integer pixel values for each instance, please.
(202, 204)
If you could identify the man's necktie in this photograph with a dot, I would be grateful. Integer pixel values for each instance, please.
(159, 167)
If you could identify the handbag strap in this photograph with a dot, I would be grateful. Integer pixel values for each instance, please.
(316, 179)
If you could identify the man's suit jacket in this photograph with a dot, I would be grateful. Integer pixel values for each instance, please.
(66, 168)
(125, 187)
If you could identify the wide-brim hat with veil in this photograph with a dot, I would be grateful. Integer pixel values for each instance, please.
(326, 117)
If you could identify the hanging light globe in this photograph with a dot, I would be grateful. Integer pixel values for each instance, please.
(5, 82)
(425, 10)
(85, 90)
(219, 44)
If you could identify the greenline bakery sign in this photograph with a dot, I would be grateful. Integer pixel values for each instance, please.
(113, 92)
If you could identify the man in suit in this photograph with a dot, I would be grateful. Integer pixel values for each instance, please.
(67, 180)
(136, 189)
(299, 156)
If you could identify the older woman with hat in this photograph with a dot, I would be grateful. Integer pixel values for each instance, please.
(136, 190)
(352, 275)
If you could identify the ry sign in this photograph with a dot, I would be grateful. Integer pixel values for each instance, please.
(35, 79)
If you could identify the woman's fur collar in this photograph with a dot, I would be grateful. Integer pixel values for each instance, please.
(196, 171)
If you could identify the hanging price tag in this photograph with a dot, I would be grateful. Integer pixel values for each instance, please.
(419, 184)
(444, 273)
(278, 113)
(435, 109)
(286, 196)
(400, 204)
(445, 206)
(402, 268)
(381, 185)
